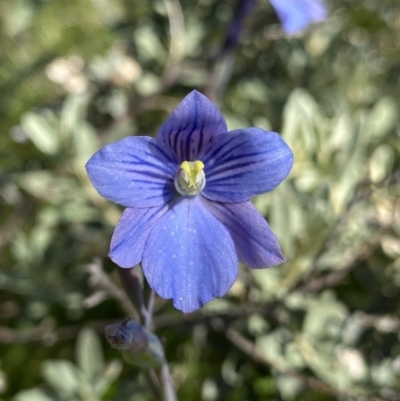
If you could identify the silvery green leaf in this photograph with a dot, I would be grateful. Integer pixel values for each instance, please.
(89, 355)
(382, 374)
(257, 324)
(40, 132)
(300, 114)
(63, 376)
(284, 219)
(253, 89)
(45, 185)
(33, 395)
(21, 249)
(294, 357)
(381, 162)
(111, 372)
(289, 386)
(85, 142)
(149, 45)
(271, 346)
(72, 112)
(383, 118)
(269, 281)
(147, 84)
(325, 318)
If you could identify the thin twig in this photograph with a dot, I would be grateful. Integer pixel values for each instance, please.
(46, 332)
(166, 383)
(152, 384)
(150, 307)
(132, 284)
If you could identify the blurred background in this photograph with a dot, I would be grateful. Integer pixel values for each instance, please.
(77, 74)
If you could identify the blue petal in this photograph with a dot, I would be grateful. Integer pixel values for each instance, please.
(134, 172)
(191, 126)
(190, 256)
(130, 235)
(296, 15)
(245, 163)
(256, 244)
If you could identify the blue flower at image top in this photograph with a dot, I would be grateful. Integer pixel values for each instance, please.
(296, 15)
(189, 220)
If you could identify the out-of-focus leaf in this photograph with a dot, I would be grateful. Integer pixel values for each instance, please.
(89, 355)
(41, 236)
(381, 162)
(47, 186)
(235, 121)
(287, 219)
(33, 395)
(294, 357)
(257, 325)
(253, 89)
(63, 376)
(352, 166)
(289, 386)
(352, 330)
(351, 362)
(325, 318)
(382, 374)
(300, 115)
(85, 143)
(383, 118)
(271, 345)
(38, 130)
(73, 112)
(149, 45)
(111, 372)
(147, 84)
(21, 249)
(269, 282)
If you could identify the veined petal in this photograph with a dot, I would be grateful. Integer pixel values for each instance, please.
(256, 244)
(245, 163)
(191, 126)
(190, 256)
(134, 172)
(130, 235)
(296, 15)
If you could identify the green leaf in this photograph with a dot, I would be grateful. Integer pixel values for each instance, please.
(289, 386)
(149, 45)
(89, 355)
(40, 132)
(111, 372)
(381, 163)
(325, 318)
(33, 395)
(383, 118)
(63, 376)
(72, 112)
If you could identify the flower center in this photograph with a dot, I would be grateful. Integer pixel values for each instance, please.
(190, 179)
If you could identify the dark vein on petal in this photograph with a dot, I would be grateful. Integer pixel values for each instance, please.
(215, 152)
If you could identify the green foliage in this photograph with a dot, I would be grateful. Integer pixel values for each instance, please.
(75, 75)
(68, 382)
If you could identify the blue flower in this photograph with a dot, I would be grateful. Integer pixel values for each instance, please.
(189, 220)
(296, 15)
